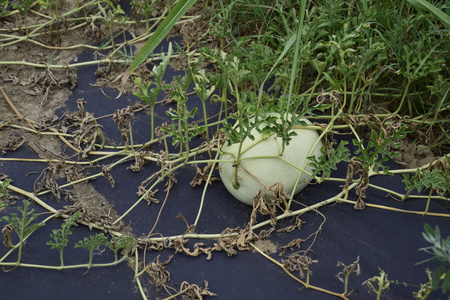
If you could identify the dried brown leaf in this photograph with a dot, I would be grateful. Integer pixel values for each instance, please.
(48, 181)
(202, 175)
(13, 144)
(6, 230)
(347, 270)
(73, 173)
(299, 262)
(149, 195)
(108, 176)
(298, 225)
(194, 292)
(355, 167)
(139, 161)
(122, 117)
(158, 272)
(296, 243)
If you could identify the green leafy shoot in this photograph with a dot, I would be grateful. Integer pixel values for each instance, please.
(143, 87)
(181, 131)
(23, 225)
(24, 6)
(201, 83)
(124, 243)
(327, 162)
(436, 179)
(48, 4)
(145, 9)
(109, 17)
(60, 235)
(247, 106)
(159, 70)
(92, 243)
(376, 152)
(149, 95)
(440, 250)
(4, 8)
(44, 4)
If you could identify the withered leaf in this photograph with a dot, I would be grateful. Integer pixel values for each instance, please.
(298, 225)
(171, 180)
(202, 176)
(199, 248)
(73, 173)
(94, 215)
(355, 167)
(347, 270)
(48, 181)
(87, 130)
(6, 230)
(139, 161)
(149, 195)
(296, 243)
(265, 205)
(122, 117)
(13, 144)
(158, 272)
(194, 292)
(299, 262)
(105, 171)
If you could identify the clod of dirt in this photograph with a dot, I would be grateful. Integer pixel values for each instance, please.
(266, 246)
(414, 155)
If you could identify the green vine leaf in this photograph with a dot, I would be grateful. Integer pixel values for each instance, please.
(59, 236)
(327, 162)
(93, 242)
(124, 242)
(24, 225)
(435, 179)
(376, 152)
(23, 5)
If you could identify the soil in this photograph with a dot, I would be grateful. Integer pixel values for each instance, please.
(35, 93)
(414, 155)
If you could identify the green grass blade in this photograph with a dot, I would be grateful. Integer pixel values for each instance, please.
(298, 43)
(423, 4)
(161, 32)
(288, 46)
